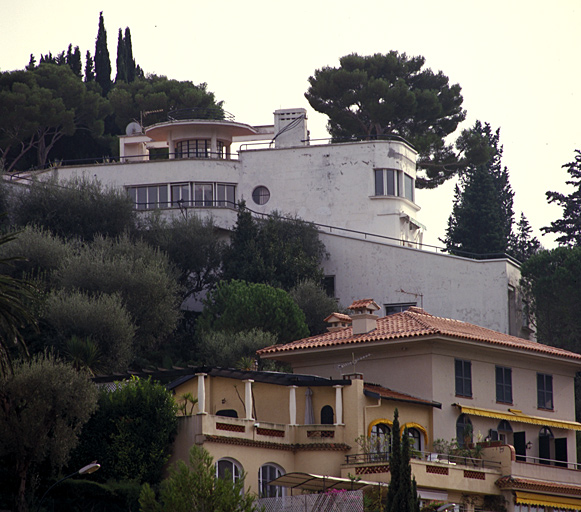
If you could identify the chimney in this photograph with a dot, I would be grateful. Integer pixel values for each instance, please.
(290, 128)
(363, 318)
(337, 321)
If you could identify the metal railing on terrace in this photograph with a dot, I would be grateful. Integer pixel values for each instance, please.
(438, 458)
(548, 462)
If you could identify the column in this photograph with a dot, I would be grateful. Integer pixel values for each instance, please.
(338, 405)
(292, 404)
(201, 393)
(248, 398)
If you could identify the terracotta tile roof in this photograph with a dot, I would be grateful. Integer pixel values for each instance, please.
(416, 323)
(339, 316)
(390, 394)
(510, 482)
(364, 304)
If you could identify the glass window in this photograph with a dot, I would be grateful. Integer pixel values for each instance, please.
(463, 373)
(391, 309)
(386, 182)
(327, 415)
(142, 203)
(463, 430)
(266, 474)
(380, 438)
(408, 183)
(503, 385)
(415, 439)
(228, 468)
(544, 391)
(195, 148)
(226, 195)
(180, 195)
(203, 194)
(261, 195)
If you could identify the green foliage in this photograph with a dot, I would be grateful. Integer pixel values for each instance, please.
(158, 93)
(40, 106)
(522, 244)
(402, 493)
(551, 285)
(196, 487)
(315, 304)
(15, 296)
(139, 274)
(240, 306)
(102, 61)
(102, 318)
(76, 208)
(276, 251)
(45, 403)
(227, 349)
(569, 226)
(379, 95)
(131, 433)
(482, 215)
(192, 245)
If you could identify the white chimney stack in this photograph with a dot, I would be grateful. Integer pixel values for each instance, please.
(363, 317)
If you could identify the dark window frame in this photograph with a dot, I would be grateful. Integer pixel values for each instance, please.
(503, 379)
(545, 391)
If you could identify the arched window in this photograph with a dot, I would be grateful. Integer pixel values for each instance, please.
(415, 439)
(379, 438)
(327, 415)
(546, 445)
(504, 430)
(267, 473)
(463, 430)
(228, 468)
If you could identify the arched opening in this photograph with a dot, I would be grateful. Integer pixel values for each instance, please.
(266, 474)
(415, 439)
(229, 469)
(380, 439)
(463, 430)
(327, 415)
(546, 440)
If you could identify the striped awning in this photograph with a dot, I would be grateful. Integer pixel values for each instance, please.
(517, 416)
(545, 500)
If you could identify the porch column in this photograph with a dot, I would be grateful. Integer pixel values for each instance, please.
(292, 404)
(201, 393)
(338, 405)
(214, 146)
(171, 145)
(248, 398)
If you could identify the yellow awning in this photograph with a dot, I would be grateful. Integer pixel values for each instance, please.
(545, 500)
(519, 417)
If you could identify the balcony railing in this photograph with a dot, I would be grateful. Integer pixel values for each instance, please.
(439, 458)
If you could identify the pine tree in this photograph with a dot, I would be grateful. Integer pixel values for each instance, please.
(569, 226)
(522, 244)
(31, 63)
(102, 61)
(482, 214)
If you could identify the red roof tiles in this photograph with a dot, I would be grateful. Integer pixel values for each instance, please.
(416, 323)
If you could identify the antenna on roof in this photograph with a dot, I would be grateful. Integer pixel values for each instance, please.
(353, 361)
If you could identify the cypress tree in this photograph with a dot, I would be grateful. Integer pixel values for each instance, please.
(102, 61)
(129, 60)
(394, 464)
(73, 59)
(121, 62)
(89, 68)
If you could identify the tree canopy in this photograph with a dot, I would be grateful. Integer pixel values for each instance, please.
(43, 406)
(391, 94)
(131, 432)
(196, 487)
(482, 214)
(237, 306)
(569, 226)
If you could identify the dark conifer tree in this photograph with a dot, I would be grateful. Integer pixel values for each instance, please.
(569, 226)
(31, 63)
(73, 59)
(102, 61)
(129, 60)
(522, 244)
(482, 214)
(89, 68)
(121, 59)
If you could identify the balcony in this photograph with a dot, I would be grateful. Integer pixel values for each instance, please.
(199, 427)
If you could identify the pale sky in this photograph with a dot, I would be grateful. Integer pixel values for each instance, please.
(517, 62)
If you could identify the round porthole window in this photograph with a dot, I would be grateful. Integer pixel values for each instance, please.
(261, 195)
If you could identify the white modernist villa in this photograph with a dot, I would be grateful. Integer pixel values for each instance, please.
(360, 194)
